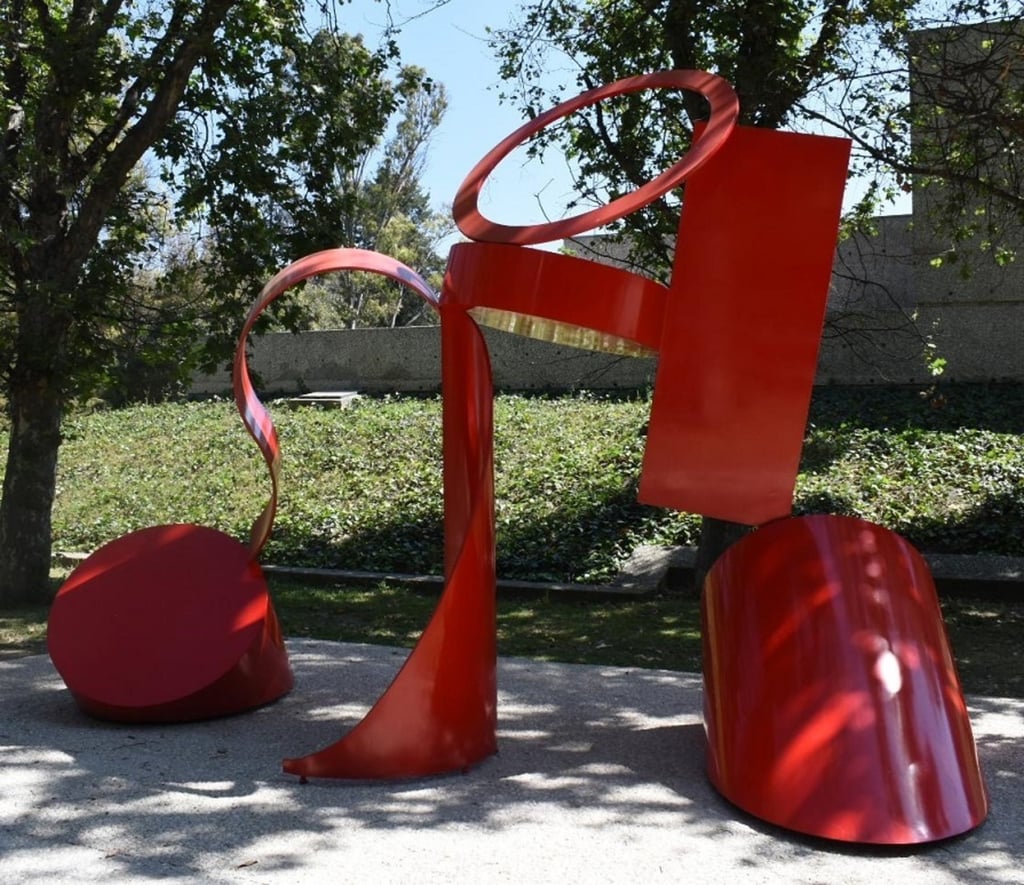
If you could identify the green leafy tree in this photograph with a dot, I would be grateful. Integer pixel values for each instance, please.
(210, 130)
(841, 63)
(948, 124)
(773, 52)
(390, 213)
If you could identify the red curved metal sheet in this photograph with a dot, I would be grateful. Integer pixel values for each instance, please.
(557, 297)
(832, 703)
(168, 624)
(175, 622)
(440, 712)
(254, 415)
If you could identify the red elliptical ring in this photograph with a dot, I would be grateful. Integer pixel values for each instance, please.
(724, 113)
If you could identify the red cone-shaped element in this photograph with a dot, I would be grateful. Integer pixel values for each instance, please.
(440, 712)
(832, 703)
(171, 623)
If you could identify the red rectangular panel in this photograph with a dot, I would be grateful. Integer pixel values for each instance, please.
(742, 326)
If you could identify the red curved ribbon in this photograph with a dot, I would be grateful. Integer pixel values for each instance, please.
(254, 415)
(440, 712)
(725, 108)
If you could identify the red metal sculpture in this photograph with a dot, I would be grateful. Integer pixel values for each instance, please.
(439, 714)
(168, 624)
(832, 702)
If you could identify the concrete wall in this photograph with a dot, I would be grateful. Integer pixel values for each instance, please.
(981, 342)
(408, 361)
(889, 312)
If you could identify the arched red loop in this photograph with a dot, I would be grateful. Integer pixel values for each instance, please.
(725, 109)
(254, 415)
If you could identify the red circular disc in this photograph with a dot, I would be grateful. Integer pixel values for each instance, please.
(156, 615)
(724, 113)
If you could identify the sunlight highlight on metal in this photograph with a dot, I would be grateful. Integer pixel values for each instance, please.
(558, 333)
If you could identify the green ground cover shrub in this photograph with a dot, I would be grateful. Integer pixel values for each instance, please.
(943, 466)
(361, 487)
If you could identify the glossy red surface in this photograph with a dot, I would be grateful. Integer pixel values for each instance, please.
(439, 713)
(602, 307)
(254, 415)
(175, 622)
(832, 703)
(742, 325)
(169, 623)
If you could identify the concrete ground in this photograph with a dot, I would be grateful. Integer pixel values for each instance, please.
(600, 778)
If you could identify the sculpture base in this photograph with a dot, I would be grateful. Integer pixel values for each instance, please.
(832, 704)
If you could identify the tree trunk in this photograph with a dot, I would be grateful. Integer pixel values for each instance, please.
(30, 481)
(716, 536)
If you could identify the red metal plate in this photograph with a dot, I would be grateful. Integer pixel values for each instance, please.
(742, 326)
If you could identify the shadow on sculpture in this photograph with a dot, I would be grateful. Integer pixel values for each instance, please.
(832, 704)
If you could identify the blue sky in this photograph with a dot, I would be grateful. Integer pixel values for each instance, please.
(451, 44)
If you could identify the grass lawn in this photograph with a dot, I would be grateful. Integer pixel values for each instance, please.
(361, 487)
(661, 632)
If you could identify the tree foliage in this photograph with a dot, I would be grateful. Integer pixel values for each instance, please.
(820, 65)
(158, 160)
(390, 213)
(934, 103)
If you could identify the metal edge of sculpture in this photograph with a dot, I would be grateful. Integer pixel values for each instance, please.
(832, 704)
